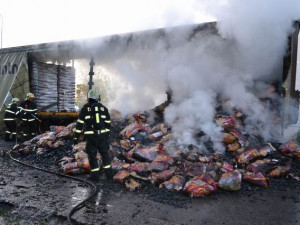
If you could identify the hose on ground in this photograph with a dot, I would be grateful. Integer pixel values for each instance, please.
(80, 204)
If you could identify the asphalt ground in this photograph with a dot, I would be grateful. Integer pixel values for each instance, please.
(29, 196)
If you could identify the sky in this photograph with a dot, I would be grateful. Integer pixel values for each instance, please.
(28, 22)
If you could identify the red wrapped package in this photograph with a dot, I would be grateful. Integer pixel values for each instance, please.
(240, 137)
(196, 187)
(121, 176)
(280, 171)
(226, 167)
(226, 122)
(264, 165)
(247, 156)
(139, 168)
(257, 179)
(119, 165)
(228, 138)
(132, 185)
(255, 152)
(72, 168)
(209, 179)
(233, 147)
(85, 165)
(230, 181)
(161, 163)
(196, 169)
(157, 166)
(129, 154)
(64, 160)
(146, 154)
(134, 128)
(140, 117)
(164, 158)
(162, 176)
(175, 183)
(266, 149)
(291, 149)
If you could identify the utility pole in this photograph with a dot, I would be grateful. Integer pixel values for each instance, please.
(91, 73)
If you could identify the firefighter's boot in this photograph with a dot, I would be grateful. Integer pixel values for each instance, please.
(14, 137)
(109, 173)
(94, 176)
(7, 136)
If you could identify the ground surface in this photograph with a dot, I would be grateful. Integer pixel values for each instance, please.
(29, 196)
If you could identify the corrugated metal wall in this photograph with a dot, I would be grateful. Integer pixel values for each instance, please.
(19, 90)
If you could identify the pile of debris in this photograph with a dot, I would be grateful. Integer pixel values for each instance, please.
(142, 154)
(46, 149)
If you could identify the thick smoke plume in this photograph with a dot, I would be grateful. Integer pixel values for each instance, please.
(206, 67)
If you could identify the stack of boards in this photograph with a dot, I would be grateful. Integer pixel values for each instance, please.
(53, 83)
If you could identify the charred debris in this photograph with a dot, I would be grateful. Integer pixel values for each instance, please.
(144, 153)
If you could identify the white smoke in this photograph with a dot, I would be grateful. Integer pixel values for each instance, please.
(261, 30)
(199, 66)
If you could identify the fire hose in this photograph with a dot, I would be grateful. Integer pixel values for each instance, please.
(80, 204)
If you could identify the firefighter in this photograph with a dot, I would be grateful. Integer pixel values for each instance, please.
(28, 115)
(94, 121)
(10, 116)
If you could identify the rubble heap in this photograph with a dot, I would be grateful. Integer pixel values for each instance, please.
(142, 154)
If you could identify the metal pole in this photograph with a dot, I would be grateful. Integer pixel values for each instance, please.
(91, 73)
(1, 29)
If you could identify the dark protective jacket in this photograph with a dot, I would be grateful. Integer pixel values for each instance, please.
(94, 118)
(28, 111)
(11, 112)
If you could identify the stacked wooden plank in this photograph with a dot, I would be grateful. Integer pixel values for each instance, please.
(44, 84)
(53, 83)
(66, 88)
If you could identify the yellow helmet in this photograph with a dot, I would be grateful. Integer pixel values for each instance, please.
(94, 94)
(15, 100)
(30, 95)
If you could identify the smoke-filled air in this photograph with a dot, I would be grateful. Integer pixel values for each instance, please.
(207, 70)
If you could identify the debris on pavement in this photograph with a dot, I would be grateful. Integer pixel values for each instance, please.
(291, 149)
(257, 178)
(143, 154)
(230, 181)
(196, 187)
(176, 183)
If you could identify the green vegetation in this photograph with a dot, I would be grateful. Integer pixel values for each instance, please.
(4, 213)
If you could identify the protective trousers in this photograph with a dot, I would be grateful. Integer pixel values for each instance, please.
(98, 143)
(11, 127)
(29, 129)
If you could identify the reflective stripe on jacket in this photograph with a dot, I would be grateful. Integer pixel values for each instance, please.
(94, 118)
(11, 112)
(28, 110)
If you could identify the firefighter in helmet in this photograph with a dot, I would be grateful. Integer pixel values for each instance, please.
(28, 115)
(94, 121)
(10, 116)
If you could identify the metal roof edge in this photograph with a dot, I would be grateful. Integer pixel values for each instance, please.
(68, 43)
